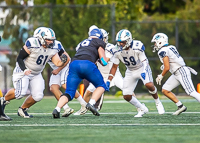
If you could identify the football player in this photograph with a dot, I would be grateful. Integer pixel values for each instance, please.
(117, 80)
(174, 63)
(83, 67)
(3, 116)
(30, 63)
(131, 53)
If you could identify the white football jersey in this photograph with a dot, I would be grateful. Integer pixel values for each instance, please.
(175, 60)
(38, 57)
(109, 54)
(132, 57)
(59, 47)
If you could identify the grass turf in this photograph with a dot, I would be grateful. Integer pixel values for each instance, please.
(116, 124)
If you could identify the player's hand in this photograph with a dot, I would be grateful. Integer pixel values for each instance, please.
(159, 79)
(143, 75)
(55, 72)
(107, 85)
(1, 68)
(27, 72)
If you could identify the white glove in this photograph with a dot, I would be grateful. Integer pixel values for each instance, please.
(1, 68)
(159, 79)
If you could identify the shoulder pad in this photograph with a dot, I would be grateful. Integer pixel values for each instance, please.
(138, 45)
(58, 45)
(109, 46)
(32, 43)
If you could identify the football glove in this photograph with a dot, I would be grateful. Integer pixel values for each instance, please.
(143, 75)
(63, 58)
(159, 79)
(108, 85)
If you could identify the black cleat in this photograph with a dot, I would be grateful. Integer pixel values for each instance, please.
(3, 103)
(4, 118)
(23, 113)
(92, 109)
(56, 114)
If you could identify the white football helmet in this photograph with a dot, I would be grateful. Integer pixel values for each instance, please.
(105, 35)
(124, 35)
(43, 33)
(160, 40)
(37, 31)
(91, 28)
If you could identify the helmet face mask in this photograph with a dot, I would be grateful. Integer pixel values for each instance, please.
(105, 35)
(159, 40)
(45, 35)
(124, 39)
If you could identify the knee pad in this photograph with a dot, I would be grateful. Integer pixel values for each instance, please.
(67, 95)
(38, 97)
(153, 92)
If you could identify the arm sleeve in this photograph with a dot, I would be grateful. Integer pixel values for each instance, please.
(20, 59)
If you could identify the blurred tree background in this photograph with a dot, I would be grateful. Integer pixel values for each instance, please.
(70, 19)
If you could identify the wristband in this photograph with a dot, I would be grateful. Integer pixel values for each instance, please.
(111, 75)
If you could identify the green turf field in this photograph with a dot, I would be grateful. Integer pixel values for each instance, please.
(116, 124)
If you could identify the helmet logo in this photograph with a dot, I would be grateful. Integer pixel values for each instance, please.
(157, 37)
(127, 34)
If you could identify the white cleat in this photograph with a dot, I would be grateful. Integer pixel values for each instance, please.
(67, 112)
(180, 110)
(160, 108)
(82, 111)
(142, 111)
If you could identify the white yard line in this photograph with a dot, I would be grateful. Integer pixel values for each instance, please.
(52, 125)
(110, 113)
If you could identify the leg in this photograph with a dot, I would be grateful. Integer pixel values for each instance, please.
(169, 85)
(95, 96)
(153, 91)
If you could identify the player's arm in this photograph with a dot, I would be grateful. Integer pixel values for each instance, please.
(165, 70)
(23, 54)
(59, 61)
(166, 65)
(102, 56)
(56, 71)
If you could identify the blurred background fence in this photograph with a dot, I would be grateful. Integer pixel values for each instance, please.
(71, 23)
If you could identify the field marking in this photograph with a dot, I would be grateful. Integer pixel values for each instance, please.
(53, 125)
(112, 113)
(145, 101)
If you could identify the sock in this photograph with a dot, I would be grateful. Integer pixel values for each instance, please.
(157, 100)
(65, 106)
(196, 95)
(135, 102)
(92, 102)
(179, 104)
(58, 109)
(81, 101)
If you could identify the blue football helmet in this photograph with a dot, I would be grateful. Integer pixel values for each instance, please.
(97, 33)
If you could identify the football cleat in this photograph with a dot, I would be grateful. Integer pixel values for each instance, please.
(4, 118)
(142, 111)
(23, 113)
(160, 108)
(67, 112)
(92, 109)
(82, 111)
(180, 110)
(4, 103)
(56, 114)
